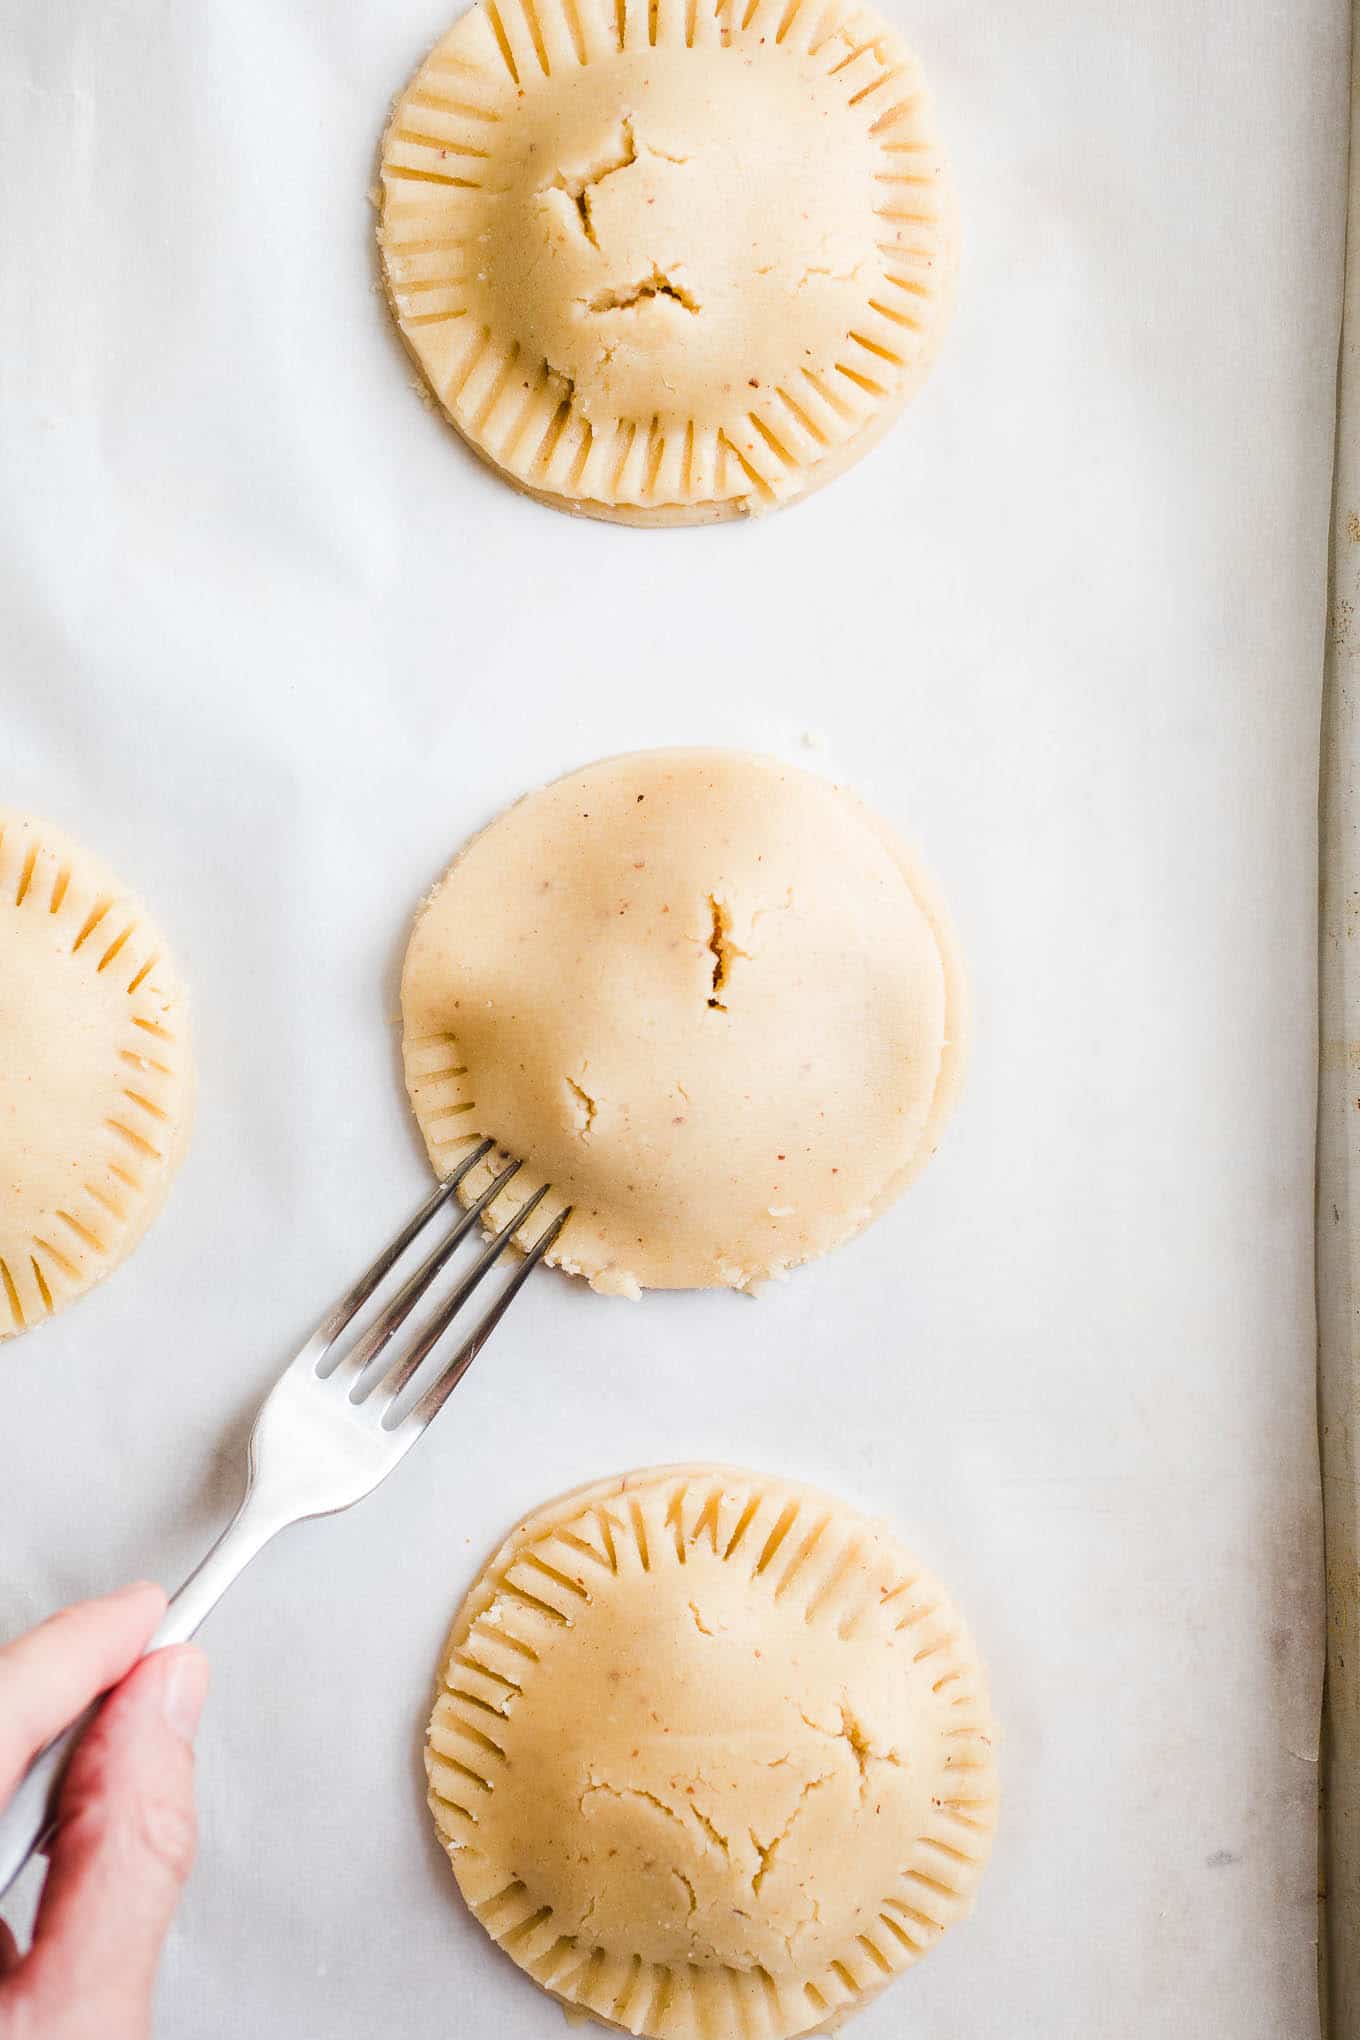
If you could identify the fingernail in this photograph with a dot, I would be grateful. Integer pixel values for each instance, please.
(184, 1688)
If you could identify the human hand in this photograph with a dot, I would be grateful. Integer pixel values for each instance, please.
(125, 1837)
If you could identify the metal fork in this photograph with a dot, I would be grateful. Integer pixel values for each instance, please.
(333, 1425)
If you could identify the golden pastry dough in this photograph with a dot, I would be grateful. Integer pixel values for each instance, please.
(711, 1755)
(665, 261)
(707, 997)
(95, 1071)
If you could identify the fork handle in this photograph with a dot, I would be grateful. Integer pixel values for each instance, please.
(29, 1821)
(249, 1530)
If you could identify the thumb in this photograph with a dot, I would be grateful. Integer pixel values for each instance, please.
(123, 1848)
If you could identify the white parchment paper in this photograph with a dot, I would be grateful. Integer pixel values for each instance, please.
(274, 644)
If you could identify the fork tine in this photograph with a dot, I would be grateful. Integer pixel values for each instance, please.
(358, 1361)
(354, 1298)
(438, 1323)
(440, 1390)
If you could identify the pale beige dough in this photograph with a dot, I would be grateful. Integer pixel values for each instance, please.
(711, 1755)
(96, 1079)
(708, 998)
(668, 262)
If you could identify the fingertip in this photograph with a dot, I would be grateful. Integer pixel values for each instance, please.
(135, 1611)
(138, 1590)
(168, 1687)
(136, 1608)
(182, 1673)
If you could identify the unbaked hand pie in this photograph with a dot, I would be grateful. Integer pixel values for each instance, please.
(708, 998)
(711, 1755)
(95, 1071)
(665, 260)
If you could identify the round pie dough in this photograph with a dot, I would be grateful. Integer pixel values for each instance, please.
(95, 1071)
(711, 1755)
(708, 998)
(663, 261)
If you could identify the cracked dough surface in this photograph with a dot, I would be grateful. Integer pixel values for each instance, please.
(95, 1071)
(708, 998)
(662, 260)
(711, 1754)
